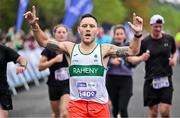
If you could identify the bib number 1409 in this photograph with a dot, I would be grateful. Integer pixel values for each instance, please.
(87, 94)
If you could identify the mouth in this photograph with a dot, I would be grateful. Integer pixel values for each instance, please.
(87, 36)
(119, 40)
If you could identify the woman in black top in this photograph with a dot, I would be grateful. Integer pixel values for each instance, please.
(58, 80)
(8, 55)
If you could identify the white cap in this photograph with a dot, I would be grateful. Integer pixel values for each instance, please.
(156, 19)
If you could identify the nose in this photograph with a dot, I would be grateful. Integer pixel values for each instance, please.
(88, 28)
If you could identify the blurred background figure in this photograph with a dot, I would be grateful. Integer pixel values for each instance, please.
(102, 37)
(8, 42)
(58, 80)
(30, 42)
(11, 32)
(119, 76)
(178, 44)
(18, 40)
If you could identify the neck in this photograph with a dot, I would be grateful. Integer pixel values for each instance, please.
(158, 36)
(87, 48)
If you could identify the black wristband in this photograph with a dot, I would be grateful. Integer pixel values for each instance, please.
(138, 36)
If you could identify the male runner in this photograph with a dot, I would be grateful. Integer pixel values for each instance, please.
(158, 51)
(88, 62)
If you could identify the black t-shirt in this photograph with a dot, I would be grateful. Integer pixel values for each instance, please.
(6, 55)
(50, 54)
(160, 51)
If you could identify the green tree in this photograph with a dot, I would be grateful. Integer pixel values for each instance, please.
(170, 13)
(8, 11)
(140, 7)
(50, 12)
(109, 11)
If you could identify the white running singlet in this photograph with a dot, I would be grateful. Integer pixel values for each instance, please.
(87, 76)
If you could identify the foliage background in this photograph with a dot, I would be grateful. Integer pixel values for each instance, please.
(51, 12)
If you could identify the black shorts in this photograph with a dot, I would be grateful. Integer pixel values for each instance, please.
(155, 96)
(5, 99)
(55, 92)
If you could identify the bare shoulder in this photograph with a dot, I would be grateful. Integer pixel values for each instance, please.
(106, 46)
(68, 46)
(60, 47)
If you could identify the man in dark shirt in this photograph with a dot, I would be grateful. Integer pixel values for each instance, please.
(158, 51)
(8, 55)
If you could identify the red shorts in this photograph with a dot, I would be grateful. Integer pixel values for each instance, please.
(86, 109)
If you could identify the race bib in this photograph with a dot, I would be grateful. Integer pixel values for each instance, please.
(62, 74)
(161, 82)
(86, 90)
(87, 94)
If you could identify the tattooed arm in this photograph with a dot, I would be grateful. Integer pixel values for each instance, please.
(60, 47)
(132, 49)
(110, 49)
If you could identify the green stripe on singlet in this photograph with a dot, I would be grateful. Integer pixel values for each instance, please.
(86, 70)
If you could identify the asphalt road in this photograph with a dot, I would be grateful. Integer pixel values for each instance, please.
(34, 103)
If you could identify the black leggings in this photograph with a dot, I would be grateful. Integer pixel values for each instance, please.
(120, 91)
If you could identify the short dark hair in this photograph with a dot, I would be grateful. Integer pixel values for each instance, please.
(88, 15)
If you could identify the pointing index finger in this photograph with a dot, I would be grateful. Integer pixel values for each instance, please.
(34, 10)
(134, 16)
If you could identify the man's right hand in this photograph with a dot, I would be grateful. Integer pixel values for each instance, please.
(31, 16)
(145, 56)
(136, 25)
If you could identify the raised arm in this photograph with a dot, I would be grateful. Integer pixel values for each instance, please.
(40, 35)
(133, 48)
(137, 27)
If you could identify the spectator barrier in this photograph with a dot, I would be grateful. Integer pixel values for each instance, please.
(32, 74)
